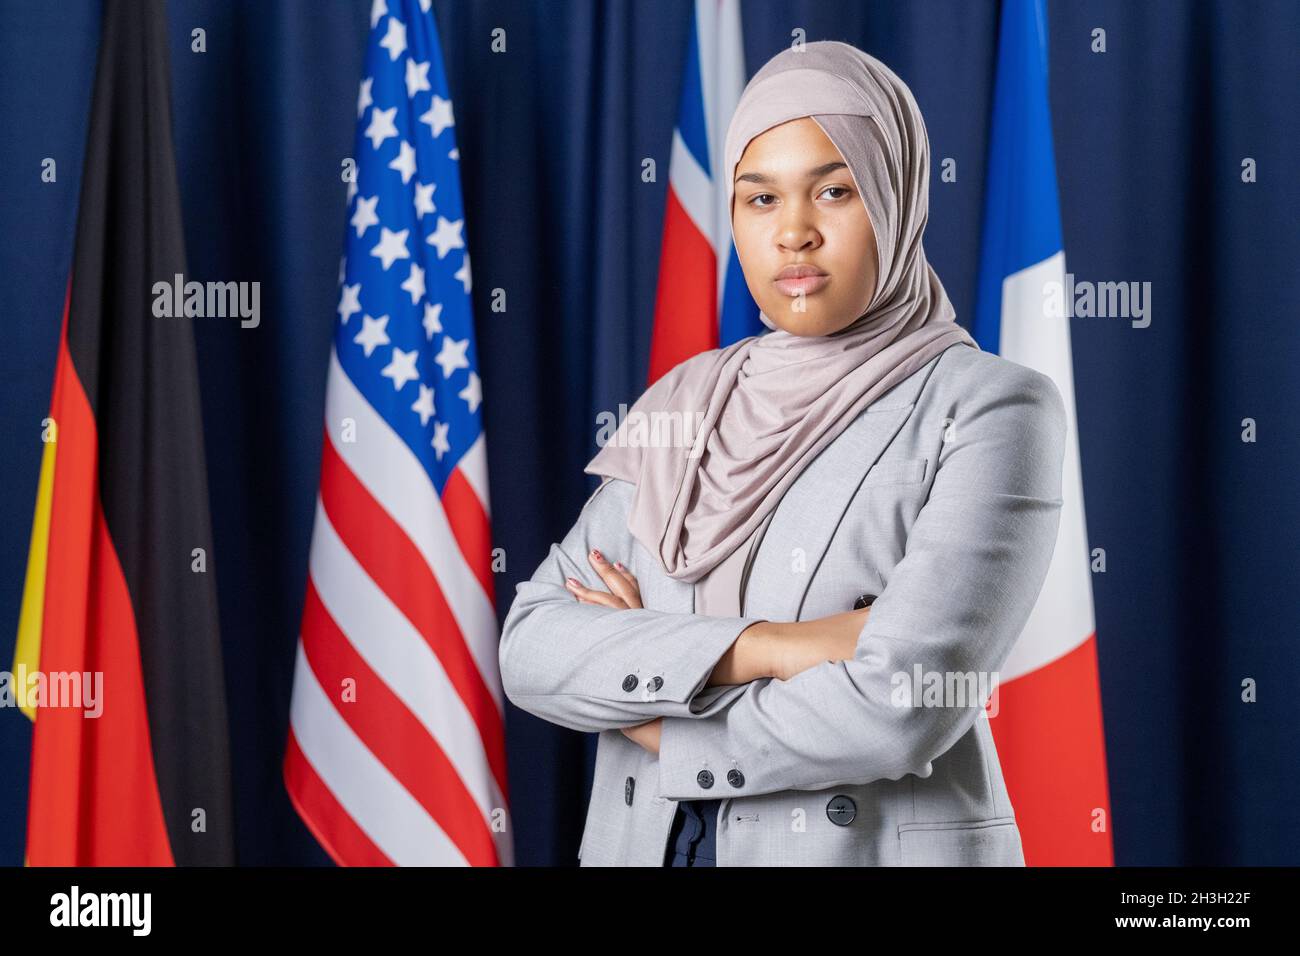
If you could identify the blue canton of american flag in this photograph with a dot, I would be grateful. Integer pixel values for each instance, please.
(396, 750)
(405, 333)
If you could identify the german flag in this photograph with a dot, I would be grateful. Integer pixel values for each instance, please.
(120, 600)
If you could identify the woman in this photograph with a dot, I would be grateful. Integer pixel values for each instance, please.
(784, 623)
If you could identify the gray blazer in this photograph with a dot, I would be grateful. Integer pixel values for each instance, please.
(943, 499)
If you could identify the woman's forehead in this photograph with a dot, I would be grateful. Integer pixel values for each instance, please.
(797, 148)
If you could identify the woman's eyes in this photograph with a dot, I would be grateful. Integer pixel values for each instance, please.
(754, 200)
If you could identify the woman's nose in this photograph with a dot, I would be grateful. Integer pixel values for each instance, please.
(798, 239)
(798, 232)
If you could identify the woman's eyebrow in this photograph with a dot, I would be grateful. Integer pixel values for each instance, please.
(815, 173)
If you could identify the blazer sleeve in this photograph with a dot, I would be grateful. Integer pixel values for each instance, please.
(593, 668)
(974, 562)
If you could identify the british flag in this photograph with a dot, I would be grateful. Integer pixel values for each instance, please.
(396, 750)
(702, 300)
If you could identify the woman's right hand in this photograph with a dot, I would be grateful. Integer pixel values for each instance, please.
(624, 589)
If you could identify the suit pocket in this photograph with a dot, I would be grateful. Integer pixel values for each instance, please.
(896, 471)
(992, 842)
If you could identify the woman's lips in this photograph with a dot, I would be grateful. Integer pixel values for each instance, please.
(804, 285)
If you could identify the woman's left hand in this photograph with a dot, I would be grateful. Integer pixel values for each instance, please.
(647, 735)
(624, 591)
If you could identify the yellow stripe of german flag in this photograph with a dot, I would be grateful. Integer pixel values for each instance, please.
(27, 653)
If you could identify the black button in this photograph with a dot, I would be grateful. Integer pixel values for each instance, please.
(628, 786)
(841, 810)
(704, 779)
(864, 600)
(735, 778)
(655, 683)
(629, 682)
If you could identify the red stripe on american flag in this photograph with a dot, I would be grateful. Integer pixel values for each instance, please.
(471, 527)
(345, 842)
(394, 736)
(399, 570)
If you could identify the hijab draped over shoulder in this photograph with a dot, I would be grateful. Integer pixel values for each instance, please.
(764, 407)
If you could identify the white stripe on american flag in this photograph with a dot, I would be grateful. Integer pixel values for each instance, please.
(374, 799)
(392, 474)
(401, 657)
(473, 465)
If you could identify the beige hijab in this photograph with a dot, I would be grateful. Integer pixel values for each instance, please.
(768, 404)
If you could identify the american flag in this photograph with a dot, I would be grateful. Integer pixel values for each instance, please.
(396, 750)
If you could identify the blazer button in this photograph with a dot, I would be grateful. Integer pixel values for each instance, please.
(841, 810)
(735, 778)
(628, 786)
(629, 682)
(864, 600)
(655, 683)
(704, 779)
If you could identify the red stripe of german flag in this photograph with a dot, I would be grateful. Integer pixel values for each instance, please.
(120, 591)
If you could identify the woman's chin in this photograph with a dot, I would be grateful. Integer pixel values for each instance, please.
(808, 324)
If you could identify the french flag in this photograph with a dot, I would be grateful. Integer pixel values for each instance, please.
(702, 301)
(1048, 728)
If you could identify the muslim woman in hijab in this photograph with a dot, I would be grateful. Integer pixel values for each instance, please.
(769, 616)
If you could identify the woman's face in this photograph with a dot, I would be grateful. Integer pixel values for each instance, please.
(796, 204)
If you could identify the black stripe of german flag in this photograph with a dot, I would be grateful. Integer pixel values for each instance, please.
(147, 782)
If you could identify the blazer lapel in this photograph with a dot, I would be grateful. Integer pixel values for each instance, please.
(811, 509)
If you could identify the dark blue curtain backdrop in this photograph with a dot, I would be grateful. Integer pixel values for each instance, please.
(1200, 529)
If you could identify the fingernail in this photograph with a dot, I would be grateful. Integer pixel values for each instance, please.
(570, 583)
(597, 555)
(619, 565)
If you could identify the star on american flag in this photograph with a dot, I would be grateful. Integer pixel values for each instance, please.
(406, 259)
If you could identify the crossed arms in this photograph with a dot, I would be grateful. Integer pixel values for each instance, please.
(974, 561)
